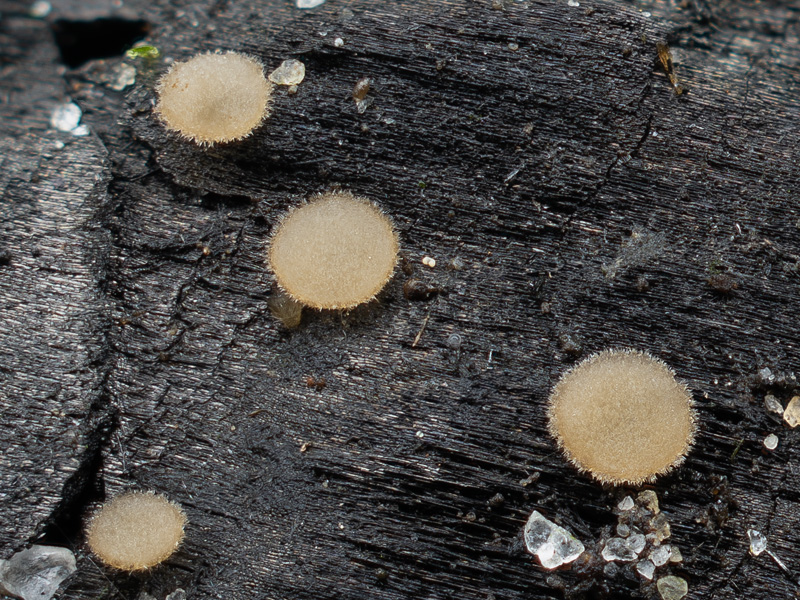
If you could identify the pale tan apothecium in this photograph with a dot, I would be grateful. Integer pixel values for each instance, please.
(136, 530)
(214, 97)
(336, 251)
(621, 416)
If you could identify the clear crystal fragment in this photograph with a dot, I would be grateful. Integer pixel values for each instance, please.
(122, 77)
(758, 541)
(40, 9)
(772, 404)
(622, 549)
(573, 3)
(646, 569)
(659, 525)
(661, 555)
(637, 542)
(291, 72)
(363, 105)
(649, 500)
(66, 117)
(676, 555)
(792, 413)
(552, 545)
(625, 504)
(36, 573)
(623, 530)
(771, 441)
(308, 3)
(672, 588)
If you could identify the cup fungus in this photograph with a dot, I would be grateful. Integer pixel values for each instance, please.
(336, 251)
(214, 97)
(621, 416)
(136, 530)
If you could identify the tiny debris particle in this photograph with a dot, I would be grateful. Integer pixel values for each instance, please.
(551, 544)
(454, 341)
(792, 413)
(724, 283)
(573, 3)
(773, 405)
(290, 72)
(758, 541)
(309, 3)
(646, 569)
(361, 89)
(429, 262)
(457, 264)
(286, 309)
(672, 588)
(513, 46)
(143, 50)
(497, 500)
(338, 42)
(771, 441)
(414, 290)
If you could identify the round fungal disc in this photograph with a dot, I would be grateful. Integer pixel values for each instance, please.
(136, 530)
(622, 416)
(214, 98)
(337, 251)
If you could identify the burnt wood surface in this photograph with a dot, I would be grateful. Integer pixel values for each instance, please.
(572, 200)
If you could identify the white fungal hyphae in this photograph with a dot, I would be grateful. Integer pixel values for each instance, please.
(621, 416)
(214, 97)
(336, 251)
(551, 544)
(136, 530)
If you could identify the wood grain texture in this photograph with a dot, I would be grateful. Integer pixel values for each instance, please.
(572, 202)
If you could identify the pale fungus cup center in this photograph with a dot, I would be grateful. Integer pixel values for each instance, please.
(214, 98)
(336, 251)
(623, 417)
(136, 530)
